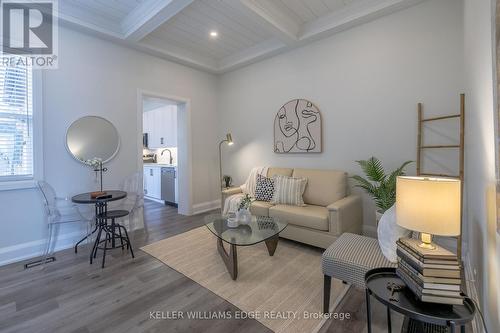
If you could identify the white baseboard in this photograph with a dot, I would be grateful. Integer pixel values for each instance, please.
(472, 292)
(154, 199)
(205, 206)
(34, 249)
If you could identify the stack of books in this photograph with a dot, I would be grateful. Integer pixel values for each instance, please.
(433, 275)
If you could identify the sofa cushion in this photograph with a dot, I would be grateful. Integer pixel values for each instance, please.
(314, 217)
(260, 208)
(271, 172)
(324, 187)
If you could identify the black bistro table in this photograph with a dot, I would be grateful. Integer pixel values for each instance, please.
(101, 209)
(434, 317)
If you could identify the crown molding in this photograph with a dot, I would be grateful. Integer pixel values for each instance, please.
(149, 15)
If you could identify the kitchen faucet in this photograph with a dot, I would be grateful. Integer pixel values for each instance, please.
(170, 152)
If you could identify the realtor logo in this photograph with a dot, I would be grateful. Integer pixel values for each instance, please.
(29, 32)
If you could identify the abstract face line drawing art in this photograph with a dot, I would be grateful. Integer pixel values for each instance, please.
(297, 128)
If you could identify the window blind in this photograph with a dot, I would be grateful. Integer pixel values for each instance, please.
(16, 123)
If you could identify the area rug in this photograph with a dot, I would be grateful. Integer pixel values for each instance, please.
(283, 292)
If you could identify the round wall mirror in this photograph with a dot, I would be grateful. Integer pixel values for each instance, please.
(92, 137)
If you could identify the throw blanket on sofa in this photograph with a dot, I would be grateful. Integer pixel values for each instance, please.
(232, 202)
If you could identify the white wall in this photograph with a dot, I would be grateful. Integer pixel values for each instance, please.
(366, 81)
(96, 77)
(483, 240)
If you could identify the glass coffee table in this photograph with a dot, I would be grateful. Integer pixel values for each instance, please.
(259, 229)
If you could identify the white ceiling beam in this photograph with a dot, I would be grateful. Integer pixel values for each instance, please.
(166, 50)
(253, 54)
(280, 24)
(352, 15)
(149, 15)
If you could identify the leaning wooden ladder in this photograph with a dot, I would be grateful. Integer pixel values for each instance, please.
(460, 146)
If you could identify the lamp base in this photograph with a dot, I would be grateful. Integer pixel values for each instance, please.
(426, 241)
(427, 246)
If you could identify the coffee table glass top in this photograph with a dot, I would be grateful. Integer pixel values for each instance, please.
(259, 229)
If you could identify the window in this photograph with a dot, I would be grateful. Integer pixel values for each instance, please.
(16, 123)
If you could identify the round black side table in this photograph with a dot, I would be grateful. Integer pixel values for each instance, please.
(101, 207)
(406, 303)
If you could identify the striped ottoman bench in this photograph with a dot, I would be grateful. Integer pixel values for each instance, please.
(348, 259)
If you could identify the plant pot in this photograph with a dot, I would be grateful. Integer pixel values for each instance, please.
(378, 216)
(243, 216)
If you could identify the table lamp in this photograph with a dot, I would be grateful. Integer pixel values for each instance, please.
(430, 206)
(229, 141)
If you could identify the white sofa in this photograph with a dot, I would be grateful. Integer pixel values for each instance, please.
(328, 213)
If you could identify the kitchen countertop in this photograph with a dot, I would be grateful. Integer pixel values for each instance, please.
(159, 165)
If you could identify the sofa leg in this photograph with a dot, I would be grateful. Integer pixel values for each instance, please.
(326, 293)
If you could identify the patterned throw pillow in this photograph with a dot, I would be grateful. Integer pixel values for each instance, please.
(264, 189)
(289, 190)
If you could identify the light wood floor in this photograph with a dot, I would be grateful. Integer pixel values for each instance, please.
(70, 295)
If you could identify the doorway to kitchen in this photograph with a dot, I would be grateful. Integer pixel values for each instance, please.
(165, 158)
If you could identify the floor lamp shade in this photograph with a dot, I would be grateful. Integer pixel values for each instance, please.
(429, 205)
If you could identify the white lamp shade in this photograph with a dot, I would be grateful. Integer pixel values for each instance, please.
(429, 205)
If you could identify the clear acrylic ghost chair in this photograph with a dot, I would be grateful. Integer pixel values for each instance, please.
(59, 211)
(133, 203)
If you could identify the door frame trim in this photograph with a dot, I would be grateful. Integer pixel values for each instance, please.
(184, 144)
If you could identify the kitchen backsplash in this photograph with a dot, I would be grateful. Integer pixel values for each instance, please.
(162, 159)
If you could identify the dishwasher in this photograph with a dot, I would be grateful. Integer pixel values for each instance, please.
(168, 186)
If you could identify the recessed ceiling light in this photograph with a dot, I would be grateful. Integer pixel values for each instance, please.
(214, 34)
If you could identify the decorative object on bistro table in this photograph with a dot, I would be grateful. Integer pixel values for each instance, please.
(96, 164)
(97, 194)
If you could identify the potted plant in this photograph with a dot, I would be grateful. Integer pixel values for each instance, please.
(227, 181)
(243, 214)
(380, 186)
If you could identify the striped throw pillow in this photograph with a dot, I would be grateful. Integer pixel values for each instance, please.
(289, 190)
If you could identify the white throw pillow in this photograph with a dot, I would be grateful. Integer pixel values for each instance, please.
(389, 232)
(288, 190)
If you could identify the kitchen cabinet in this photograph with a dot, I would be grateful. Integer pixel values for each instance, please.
(176, 186)
(161, 126)
(152, 182)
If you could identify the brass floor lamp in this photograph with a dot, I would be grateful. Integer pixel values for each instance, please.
(229, 141)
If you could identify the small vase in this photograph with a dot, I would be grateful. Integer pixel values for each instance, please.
(243, 216)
